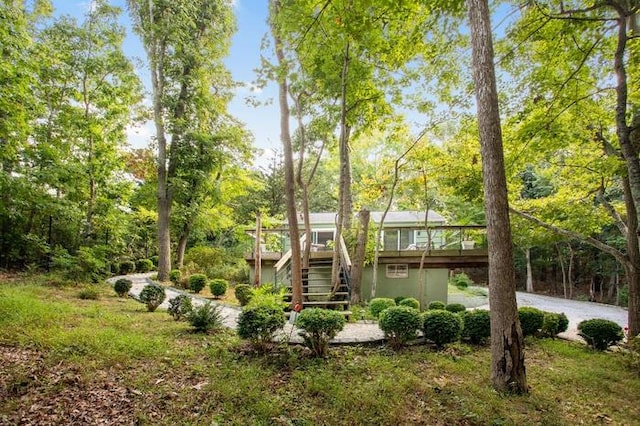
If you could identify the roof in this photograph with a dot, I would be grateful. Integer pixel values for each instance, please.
(409, 218)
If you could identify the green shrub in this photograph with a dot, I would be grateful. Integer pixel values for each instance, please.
(89, 264)
(174, 276)
(127, 267)
(89, 293)
(154, 260)
(144, 265)
(180, 306)
(318, 327)
(268, 295)
(461, 281)
(442, 327)
(600, 333)
(399, 299)
(243, 293)
(259, 323)
(455, 307)
(476, 325)
(218, 287)
(122, 286)
(531, 320)
(379, 304)
(400, 324)
(206, 317)
(197, 282)
(436, 304)
(410, 302)
(632, 356)
(554, 323)
(563, 323)
(152, 295)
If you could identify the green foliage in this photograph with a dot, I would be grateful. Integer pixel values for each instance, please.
(152, 295)
(89, 293)
(456, 307)
(174, 276)
(318, 327)
(180, 306)
(554, 323)
(563, 322)
(88, 265)
(476, 325)
(436, 304)
(531, 320)
(441, 326)
(461, 280)
(379, 304)
(127, 267)
(144, 265)
(206, 317)
(122, 286)
(411, 302)
(197, 282)
(623, 296)
(154, 260)
(600, 333)
(632, 355)
(218, 287)
(259, 323)
(243, 293)
(399, 299)
(400, 324)
(267, 295)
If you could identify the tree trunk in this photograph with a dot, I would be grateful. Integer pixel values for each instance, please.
(570, 271)
(358, 259)
(529, 285)
(633, 267)
(257, 276)
(287, 146)
(507, 343)
(564, 271)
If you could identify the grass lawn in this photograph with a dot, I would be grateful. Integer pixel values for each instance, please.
(67, 360)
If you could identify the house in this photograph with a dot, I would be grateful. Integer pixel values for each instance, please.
(415, 257)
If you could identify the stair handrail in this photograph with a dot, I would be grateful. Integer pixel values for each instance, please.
(287, 256)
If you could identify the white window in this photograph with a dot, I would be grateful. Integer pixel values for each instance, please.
(398, 271)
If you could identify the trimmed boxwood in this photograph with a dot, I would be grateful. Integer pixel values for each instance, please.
(122, 286)
(379, 304)
(554, 323)
(600, 333)
(152, 295)
(259, 323)
(436, 304)
(476, 325)
(218, 287)
(410, 302)
(399, 299)
(400, 324)
(243, 293)
(144, 265)
(456, 307)
(197, 282)
(531, 320)
(318, 327)
(127, 267)
(441, 326)
(174, 276)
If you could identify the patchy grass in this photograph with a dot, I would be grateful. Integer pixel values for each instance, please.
(66, 360)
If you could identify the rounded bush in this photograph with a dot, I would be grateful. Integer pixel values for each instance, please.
(122, 286)
(197, 282)
(399, 299)
(218, 287)
(144, 265)
(89, 293)
(554, 323)
(379, 304)
(461, 281)
(400, 324)
(436, 304)
(563, 323)
(174, 276)
(206, 317)
(127, 267)
(243, 293)
(259, 323)
(154, 260)
(476, 325)
(455, 307)
(180, 306)
(410, 302)
(441, 326)
(531, 320)
(318, 327)
(600, 333)
(152, 295)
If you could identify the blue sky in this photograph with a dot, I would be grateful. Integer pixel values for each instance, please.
(244, 58)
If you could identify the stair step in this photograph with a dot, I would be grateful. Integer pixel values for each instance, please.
(337, 293)
(327, 302)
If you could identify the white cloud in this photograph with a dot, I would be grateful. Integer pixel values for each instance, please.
(140, 135)
(247, 87)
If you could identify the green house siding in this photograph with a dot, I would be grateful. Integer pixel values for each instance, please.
(433, 288)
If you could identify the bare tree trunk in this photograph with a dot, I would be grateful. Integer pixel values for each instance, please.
(564, 271)
(529, 285)
(507, 343)
(570, 271)
(182, 244)
(285, 135)
(358, 259)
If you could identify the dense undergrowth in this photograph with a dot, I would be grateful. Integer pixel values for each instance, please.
(66, 359)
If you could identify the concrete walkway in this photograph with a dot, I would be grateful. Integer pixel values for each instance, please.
(368, 332)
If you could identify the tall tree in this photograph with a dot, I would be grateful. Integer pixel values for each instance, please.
(185, 42)
(507, 342)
